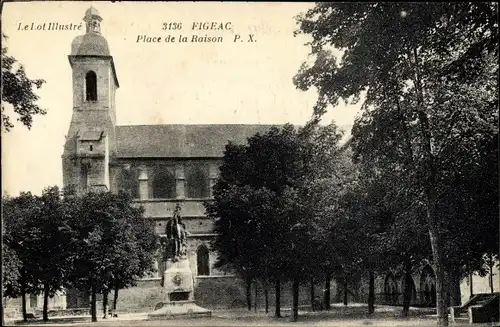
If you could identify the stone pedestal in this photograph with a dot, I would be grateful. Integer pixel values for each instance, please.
(178, 301)
(178, 281)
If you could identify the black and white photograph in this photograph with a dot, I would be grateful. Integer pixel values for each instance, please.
(250, 163)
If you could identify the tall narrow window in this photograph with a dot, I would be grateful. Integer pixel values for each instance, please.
(164, 185)
(202, 261)
(428, 286)
(390, 289)
(197, 183)
(84, 176)
(91, 86)
(128, 181)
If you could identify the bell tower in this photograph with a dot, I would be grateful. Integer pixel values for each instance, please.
(91, 141)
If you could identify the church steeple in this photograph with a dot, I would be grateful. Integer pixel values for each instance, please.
(93, 20)
(90, 141)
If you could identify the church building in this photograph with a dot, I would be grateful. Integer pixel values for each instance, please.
(160, 165)
(165, 165)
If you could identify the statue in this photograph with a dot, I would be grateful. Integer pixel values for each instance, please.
(175, 238)
(177, 296)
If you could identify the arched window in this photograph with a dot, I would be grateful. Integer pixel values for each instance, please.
(202, 261)
(163, 185)
(197, 183)
(91, 86)
(128, 181)
(413, 290)
(390, 288)
(428, 286)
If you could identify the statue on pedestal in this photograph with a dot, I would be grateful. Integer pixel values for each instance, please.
(177, 296)
(174, 241)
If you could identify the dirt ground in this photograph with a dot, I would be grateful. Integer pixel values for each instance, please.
(339, 315)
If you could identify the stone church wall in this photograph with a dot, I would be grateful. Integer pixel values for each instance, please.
(140, 298)
(214, 292)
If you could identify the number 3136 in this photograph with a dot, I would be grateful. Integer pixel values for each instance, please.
(172, 26)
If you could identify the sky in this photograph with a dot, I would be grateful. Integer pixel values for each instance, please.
(160, 83)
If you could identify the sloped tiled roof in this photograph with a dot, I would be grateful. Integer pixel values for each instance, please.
(90, 135)
(176, 141)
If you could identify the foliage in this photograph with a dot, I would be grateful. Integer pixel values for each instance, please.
(17, 213)
(266, 202)
(428, 76)
(95, 242)
(11, 271)
(17, 90)
(247, 219)
(114, 243)
(48, 237)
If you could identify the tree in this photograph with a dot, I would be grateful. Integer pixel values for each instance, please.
(17, 90)
(48, 237)
(410, 51)
(383, 148)
(11, 264)
(338, 237)
(128, 269)
(17, 213)
(115, 244)
(241, 243)
(248, 223)
(262, 204)
(11, 267)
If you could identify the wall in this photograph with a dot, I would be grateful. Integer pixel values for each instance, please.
(214, 292)
(140, 298)
(480, 285)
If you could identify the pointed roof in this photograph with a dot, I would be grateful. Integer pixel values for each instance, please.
(92, 12)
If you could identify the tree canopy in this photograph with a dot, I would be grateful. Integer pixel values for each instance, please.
(265, 203)
(95, 242)
(18, 90)
(427, 75)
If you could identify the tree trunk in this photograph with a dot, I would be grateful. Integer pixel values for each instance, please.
(431, 200)
(23, 298)
(447, 284)
(249, 294)
(115, 299)
(407, 291)
(312, 295)
(255, 298)
(23, 305)
(491, 274)
(371, 293)
(326, 295)
(266, 298)
(454, 287)
(471, 287)
(345, 290)
(105, 304)
(45, 302)
(93, 304)
(277, 297)
(295, 301)
(442, 311)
